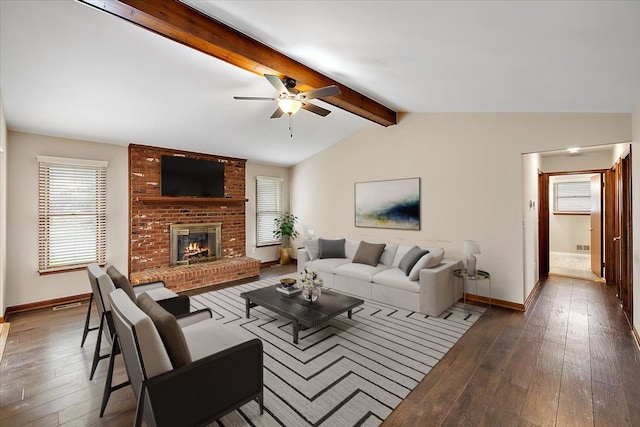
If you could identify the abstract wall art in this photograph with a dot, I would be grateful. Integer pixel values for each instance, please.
(388, 204)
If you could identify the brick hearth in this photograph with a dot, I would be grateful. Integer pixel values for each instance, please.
(151, 216)
(185, 277)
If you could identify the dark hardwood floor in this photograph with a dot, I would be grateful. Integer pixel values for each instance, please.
(570, 360)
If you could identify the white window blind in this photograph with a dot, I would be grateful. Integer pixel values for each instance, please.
(572, 197)
(268, 208)
(72, 213)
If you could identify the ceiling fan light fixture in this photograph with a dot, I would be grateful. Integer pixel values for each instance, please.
(289, 106)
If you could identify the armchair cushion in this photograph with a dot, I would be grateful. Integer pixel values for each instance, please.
(169, 330)
(369, 253)
(121, 282)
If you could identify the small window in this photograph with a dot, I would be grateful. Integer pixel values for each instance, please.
(572, 197)
(72, 213)
(268, 208)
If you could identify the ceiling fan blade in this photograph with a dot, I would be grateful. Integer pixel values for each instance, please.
(253, 98)
(315, 109)
(332, 90)
(277, 114)
(277, 83)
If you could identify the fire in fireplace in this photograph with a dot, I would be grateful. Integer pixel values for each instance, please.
(191, 243)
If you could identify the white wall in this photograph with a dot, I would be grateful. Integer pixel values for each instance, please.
(472, 180)
(530, 168)
(268, 253)
(3, 210)
(635, 197)
(586, 160)
(24, 284)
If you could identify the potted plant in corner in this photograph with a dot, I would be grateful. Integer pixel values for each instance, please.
(285, 230)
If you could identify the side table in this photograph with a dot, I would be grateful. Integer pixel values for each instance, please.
(480, 275)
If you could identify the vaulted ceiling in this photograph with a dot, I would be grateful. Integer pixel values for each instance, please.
(70, 70)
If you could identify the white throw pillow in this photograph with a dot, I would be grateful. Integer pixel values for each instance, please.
(312, 248)
(429, 260)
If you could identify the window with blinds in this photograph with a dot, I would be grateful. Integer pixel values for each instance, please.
(268, 208)
(72, 213)
(572, 197)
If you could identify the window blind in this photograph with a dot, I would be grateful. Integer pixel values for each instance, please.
(268, 208)
(72, 213)
(572, 197)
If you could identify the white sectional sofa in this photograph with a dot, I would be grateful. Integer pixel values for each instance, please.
(429, 288)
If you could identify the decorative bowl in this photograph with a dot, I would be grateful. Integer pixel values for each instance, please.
(287, 283)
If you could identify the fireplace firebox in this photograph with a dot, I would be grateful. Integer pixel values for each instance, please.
(193, 243)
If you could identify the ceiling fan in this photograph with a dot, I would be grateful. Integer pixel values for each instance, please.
(290, 100)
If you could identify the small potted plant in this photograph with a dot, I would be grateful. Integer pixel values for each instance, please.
(285, 231)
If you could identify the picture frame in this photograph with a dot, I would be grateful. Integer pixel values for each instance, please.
(393, 204)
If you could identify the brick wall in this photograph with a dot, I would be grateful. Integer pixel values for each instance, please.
(149, 223)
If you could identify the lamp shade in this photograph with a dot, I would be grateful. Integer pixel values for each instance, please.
(289, 106)
(471, 247)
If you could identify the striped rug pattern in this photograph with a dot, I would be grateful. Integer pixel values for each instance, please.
(345, 372)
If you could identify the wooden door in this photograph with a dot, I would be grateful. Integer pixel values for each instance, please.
(626, 236)
(543, 224)
(611, 226)
(596, 225)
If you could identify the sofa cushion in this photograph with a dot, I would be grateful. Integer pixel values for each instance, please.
(312, 248)
(401, 252)
(121, 282)
(351, 247)
(169, 330)
(395, 278)
(369, 253)
(430, 260)
(327, 265)
(331, 248)
(388, 254)
(410, 258)
(362, 272)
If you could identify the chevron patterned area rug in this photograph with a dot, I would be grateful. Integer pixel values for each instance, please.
(346, 372)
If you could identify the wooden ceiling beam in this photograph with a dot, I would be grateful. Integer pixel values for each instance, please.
(191, 28)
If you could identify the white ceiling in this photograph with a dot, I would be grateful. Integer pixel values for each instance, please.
(72, 71)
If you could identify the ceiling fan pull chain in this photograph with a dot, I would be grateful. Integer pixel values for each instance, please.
(290, 129)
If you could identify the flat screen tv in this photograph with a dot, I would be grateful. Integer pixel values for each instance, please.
(182, 176)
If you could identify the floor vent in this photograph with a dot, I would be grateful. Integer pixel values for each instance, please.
(65, 306)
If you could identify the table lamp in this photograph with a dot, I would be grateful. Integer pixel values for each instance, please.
(471, 247)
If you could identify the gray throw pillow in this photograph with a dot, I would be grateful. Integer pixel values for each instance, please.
(121, 282)
(369, 253)
(331, 248)
(169, 330)
(409, 260)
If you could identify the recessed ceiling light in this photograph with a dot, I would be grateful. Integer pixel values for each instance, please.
(573, 150)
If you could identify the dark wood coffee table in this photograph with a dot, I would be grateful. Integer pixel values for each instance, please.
(303, 314)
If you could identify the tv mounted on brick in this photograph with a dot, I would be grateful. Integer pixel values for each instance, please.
(183, 176)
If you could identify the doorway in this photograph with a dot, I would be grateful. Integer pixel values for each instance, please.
(575, 224)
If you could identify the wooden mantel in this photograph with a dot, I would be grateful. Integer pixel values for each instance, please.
(170, 200)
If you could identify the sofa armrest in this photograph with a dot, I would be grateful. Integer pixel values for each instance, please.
(194, 317)
(438, 290)
(303, 258)
(208, 388)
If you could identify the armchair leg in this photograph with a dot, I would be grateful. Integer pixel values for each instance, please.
(108, 388)
(96, 354)
(260, 400)
(87, 329)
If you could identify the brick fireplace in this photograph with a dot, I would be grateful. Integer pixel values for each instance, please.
(152, 217)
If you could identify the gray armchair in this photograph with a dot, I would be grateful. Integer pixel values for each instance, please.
(101, 285)
(185, 373)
